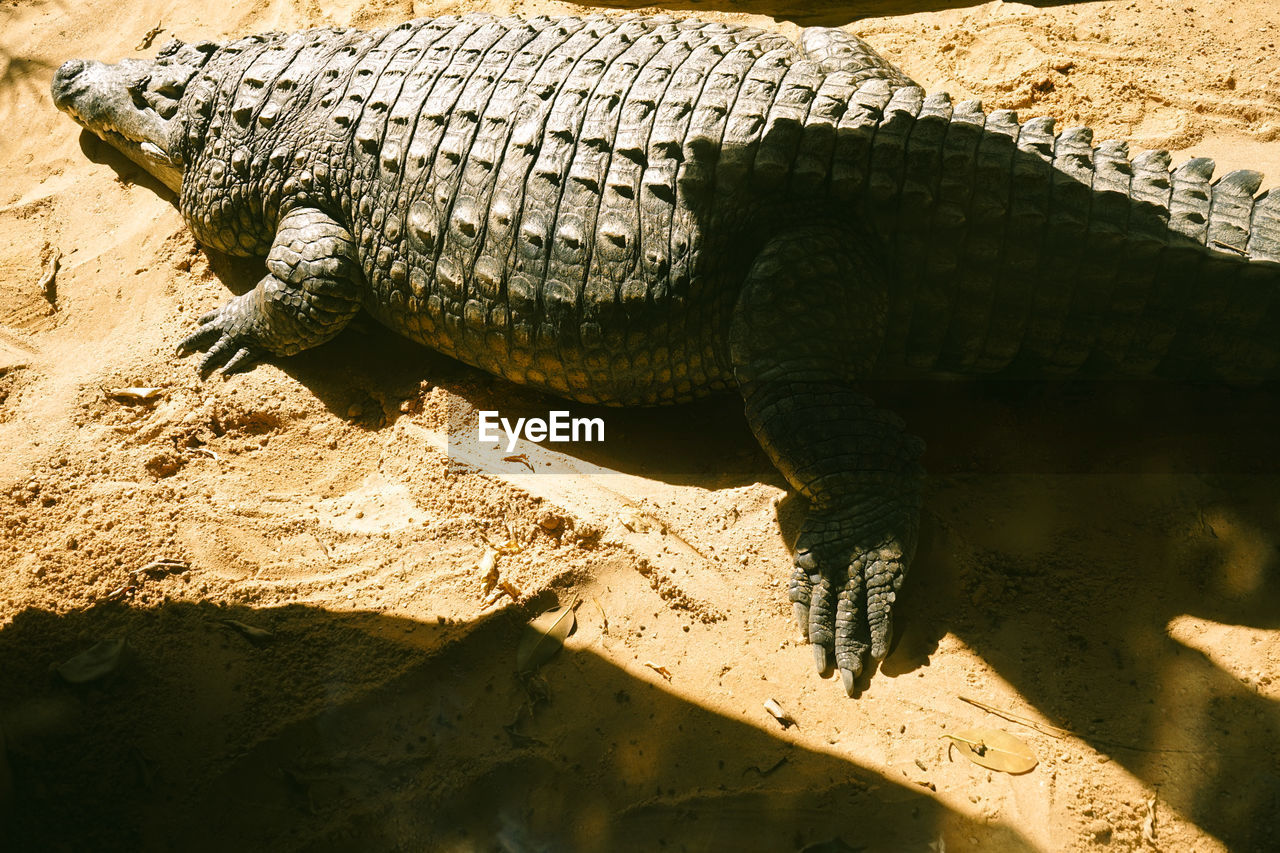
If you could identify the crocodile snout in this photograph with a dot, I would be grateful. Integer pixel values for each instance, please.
(100, 98)
(63, 81)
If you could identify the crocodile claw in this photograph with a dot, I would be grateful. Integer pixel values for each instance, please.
(801, 612)
(843, 599)
(226, 337)
(198, 340)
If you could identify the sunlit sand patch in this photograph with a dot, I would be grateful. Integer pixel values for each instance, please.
(1249, 655)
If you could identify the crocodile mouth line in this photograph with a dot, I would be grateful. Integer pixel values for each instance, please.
(119, 139)
(109, 130)
(144, 151)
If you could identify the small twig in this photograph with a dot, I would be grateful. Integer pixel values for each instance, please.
(161, 566)
(781, 761)
(522, 457)
(979, 748)
(48, 282)
(255, 635)
(661, 670)
(164, 566)
(121, 592)
(150, 36)
(604, 618)
(1054, 731)
(1043, 728)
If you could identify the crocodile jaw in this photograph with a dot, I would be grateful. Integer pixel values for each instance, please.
(98, 97)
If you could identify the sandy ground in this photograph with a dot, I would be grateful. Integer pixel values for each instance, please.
(1097, 558)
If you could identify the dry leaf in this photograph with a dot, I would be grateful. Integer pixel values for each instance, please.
(1149, 823)
(488, 563)
(544, 636)
(257, 636)
(93, 664)
(133, 395)
(995, 750)
(661, 670)
(775, 711)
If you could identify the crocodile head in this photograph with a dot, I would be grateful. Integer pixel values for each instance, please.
(132, 104)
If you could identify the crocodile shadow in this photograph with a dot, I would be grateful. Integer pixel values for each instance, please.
(358, 731)
(1082, 576)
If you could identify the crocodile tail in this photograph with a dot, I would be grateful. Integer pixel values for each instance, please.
(1020, 247)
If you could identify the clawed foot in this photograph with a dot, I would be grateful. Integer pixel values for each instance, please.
(843, 595)
(228, 337)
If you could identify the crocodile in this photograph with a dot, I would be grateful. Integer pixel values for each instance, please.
(638, 211)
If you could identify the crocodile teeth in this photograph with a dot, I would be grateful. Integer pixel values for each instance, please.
(154, 150)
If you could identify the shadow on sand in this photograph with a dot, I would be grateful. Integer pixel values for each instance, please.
(376, 733)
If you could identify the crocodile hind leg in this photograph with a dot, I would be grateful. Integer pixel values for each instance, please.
(310, 292)
(810, 322)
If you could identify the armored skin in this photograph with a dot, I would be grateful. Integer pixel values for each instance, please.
(642, 210)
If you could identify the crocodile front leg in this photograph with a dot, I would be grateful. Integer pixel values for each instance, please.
(311, 291)
(809, 323)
